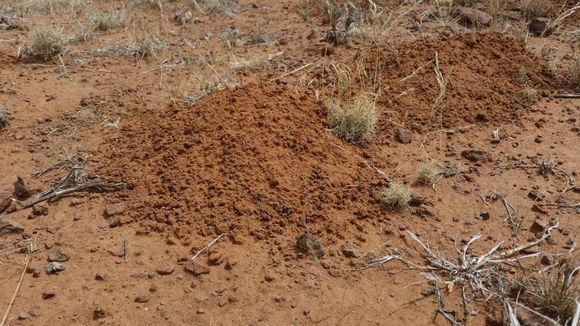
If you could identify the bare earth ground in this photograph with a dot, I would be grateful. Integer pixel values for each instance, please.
(257, 163)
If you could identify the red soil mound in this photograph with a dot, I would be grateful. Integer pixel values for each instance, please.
(482, 87)
(251, 161)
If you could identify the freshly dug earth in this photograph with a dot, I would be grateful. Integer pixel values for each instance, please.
(485, 72)
(255, 161)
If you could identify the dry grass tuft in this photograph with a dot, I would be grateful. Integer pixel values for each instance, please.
(233, 37)
(529, 95)
(554, 294)
(217, 7)
(44, 43)
(147, 44)
(375, 22)
(52, 6)
(534, 8)
(521, 76)
(427, 173)
(184, 17)
(398, 195)
(108, 20)
(354, 122)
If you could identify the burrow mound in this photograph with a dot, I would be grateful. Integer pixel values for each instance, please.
(253, 161)
(489, 74)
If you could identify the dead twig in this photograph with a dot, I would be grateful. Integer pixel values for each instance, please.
(125, 251)
(290, 73)
(28, 257)
(55, 194)
(207, 246)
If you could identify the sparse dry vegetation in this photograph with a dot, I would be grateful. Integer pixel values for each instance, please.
(52, 6)
(217, 7)
(354, 121)
(521, 76)
(529, 95)
(108, 19)
(427, 173)
(340, 18)
(534, 8)
(554, 294)
(44, 43)
(146, 44)
(398, 196)
(300, 134)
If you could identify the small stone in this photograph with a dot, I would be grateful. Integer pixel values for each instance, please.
(538, 226)
(539, 209)
(21, 189)
(195, 268)
(309, 244)
(475, 155)
(351, 250)
(483, 216)
(471, 16)
(142, 299)
(58, 256)
(114, 221)
(404, 136)
(538, 25)
(269, 278)
(99, 313)
(40, 209)
(417, 201)
(10, 227)
(115, 209)
(536, 195)
(165, 270)
(48, 295)
(54, 267)
(23, 315)
(100, 277)
(215, 258)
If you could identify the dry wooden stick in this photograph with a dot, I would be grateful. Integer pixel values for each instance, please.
(56, 194)
(207, 246)
(125, 251)
(28, 256)
(290, 73)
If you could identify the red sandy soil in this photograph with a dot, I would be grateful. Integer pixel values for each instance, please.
(258, 163)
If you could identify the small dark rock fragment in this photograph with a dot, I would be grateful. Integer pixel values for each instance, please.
(309, 244)
(483, 216)
(142, 299)
(48, 295)
(538, 25)
(10, 227)
(99, 313)
(475, 155)
(539, 209)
